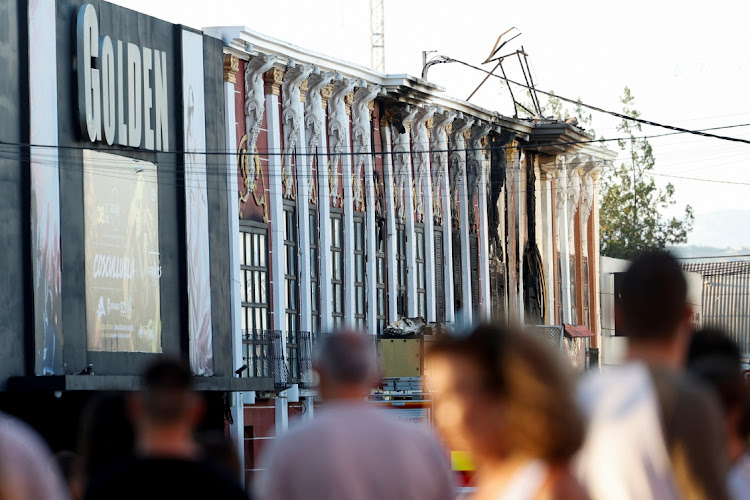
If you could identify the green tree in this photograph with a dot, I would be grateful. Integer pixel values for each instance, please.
(632, 205)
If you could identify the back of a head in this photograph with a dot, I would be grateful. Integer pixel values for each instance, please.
(715, 359)
(346, 358)
(713, 342)
(653, 297)
(167, 391)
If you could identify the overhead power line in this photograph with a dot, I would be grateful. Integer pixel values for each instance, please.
(602, 110)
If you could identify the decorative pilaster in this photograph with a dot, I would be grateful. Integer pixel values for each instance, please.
(254, 110)
(291, 117)
(318, 92)
(478, 168)
(338, 133)
(476, 160)
(363, 97)
(361, 130)
(400, 124)
(442, 203)
(460, 197)
(421, 156)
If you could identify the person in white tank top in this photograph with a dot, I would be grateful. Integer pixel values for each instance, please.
(507, 400)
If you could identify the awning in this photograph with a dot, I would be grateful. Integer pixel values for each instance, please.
(577, 331)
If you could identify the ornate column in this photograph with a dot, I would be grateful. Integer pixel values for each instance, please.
(423, 200)
(254, 109)
(391, 208)
(362, 140)
(562, 206)
(318, 92)
(460, 195)
(295, 149)
(477, 173)
(338, 133)
(442, 203)
(400, 126)
(273, 81)
(547, 235)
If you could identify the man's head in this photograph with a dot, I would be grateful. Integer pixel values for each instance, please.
(167, 399)
(346, 365)
(653, 304)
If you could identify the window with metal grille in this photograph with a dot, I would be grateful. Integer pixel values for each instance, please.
(458, 293)
(573, 291)
(253, 252)
(381, 276)
(474, 259)
(586, 308)
(359, 272)
(401, 270)
(290, 268)
(337, 263)
(560, 317)
(439, 277)
(419, 262)
(314, 273)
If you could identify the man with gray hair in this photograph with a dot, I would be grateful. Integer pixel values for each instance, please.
(351, 450)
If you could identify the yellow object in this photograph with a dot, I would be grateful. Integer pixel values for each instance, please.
(461, 461)
(400, 357)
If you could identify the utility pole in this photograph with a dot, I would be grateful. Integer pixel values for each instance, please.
(377, 35)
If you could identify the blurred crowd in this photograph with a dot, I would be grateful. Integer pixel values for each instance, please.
(671, 422)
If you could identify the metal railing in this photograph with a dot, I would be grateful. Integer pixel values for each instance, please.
(281, 377)
(257, 353)
(307, 343)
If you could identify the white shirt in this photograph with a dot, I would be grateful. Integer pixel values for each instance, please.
(624, 456)
(355, 452)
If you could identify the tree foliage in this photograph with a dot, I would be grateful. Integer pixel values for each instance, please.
(632, 206)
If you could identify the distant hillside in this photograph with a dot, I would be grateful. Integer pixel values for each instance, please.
(695, 251)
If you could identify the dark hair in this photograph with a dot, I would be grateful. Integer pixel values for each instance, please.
(167, 387)
(653, 296)
(70, 464)
(715, 359)
(106, 434)
(713, 342)
(543, 418)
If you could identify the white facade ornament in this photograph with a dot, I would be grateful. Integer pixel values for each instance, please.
(475, 162)
(458, 157)
(361, 135)
(439, 146)
(401, 148)
(587, 205)
(255, 106)
(338, 123)
(314, 115)
(560, 195)
(420, 149)
(291, 119)
(574, 197)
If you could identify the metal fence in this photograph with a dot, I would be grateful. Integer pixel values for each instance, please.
(726, 298)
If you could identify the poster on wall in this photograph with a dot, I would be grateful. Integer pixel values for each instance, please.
(123, 269)
(45, 190)
(196, 206)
